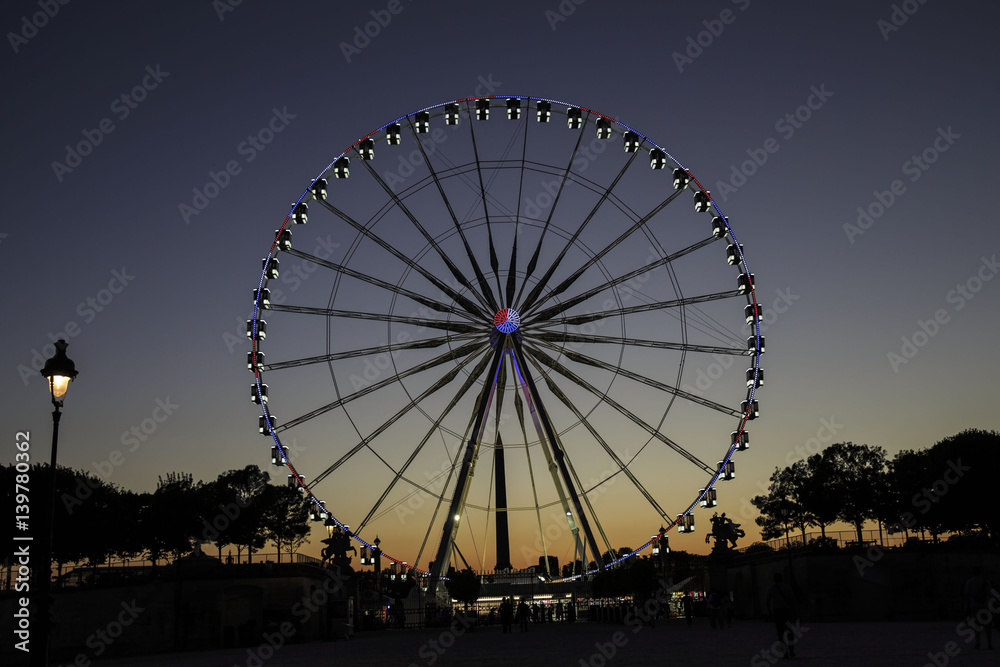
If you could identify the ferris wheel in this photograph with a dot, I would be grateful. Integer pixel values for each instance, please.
(488, 337)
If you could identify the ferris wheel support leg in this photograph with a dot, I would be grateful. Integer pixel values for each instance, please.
(550, 433)
(440, 566)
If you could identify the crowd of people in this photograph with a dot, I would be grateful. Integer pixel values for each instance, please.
(524, 614)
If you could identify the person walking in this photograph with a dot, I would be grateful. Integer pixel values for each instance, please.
(784, 610)
(523, 615)
(975, 597)
(507, 615)
(688, 603)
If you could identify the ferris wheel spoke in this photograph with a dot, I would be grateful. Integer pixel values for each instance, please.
(548, 361)
(466, 350)
(638, 224)
(558, 453)
(364, 277)
(390, 348)
(622, 466)
(533, 262)
(447, 325)
(480, 278)
(440, 497)
(366, 442)
(471, 308)
(628, 310)
(458, 275)
(614, 282)
(512, 265)
(567, 337)
(494, 261)
(519, 410)
(543, 283)
(469, 458)
(477, 371)
(579, 484)
(649, 382)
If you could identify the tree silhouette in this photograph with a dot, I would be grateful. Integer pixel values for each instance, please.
(464, 586)
(857, 474)
(553, 565)
(170, 516)
(571, 569)
(286, 518)
(956, 491)
(818, 498)
(245, 488)
(783, 504)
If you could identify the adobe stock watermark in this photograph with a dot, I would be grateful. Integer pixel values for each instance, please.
(363, 37)
(409, 163)
(563, 11)
(104, 637)
(431, 650)
(963, 293)
(88, 310)
(900, 14)
(557, 525)
(776, 652)
(223, 7)
(827, 431)
(533, 207)
(131, 440)
(122, 107)
(636, 619)
(922, 501)
(706, 377)
(914, 168)
(37, 21)
(713, 30)
(292, 276)
(248, 149)
(302, 611)
(786, 126)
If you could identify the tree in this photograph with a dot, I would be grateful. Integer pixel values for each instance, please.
(553, 565)
(286, 518)
(908, 475)
(858, 477)
(571, 569)
(956, 491)
(783, 505)
(169, 517)
(818, 498)
(245, 488)
(464, 586)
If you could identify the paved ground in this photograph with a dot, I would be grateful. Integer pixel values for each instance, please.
(581, 644)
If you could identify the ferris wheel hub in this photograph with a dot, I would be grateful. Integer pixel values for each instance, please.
(507, 320)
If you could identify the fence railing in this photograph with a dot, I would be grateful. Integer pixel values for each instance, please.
(840, 538)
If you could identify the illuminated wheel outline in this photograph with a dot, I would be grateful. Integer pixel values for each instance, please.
(469, 111)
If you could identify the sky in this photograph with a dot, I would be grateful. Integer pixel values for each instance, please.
(849, 144)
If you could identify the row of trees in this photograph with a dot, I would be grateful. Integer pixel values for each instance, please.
(942, 489)
(96, 520)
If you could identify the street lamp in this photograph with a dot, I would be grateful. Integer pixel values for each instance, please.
(661, 551)
(59, 370)
(373, 557)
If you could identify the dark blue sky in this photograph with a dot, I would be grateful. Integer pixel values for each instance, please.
(840, 106)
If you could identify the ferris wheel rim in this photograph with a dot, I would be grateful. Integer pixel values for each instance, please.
(728, 233)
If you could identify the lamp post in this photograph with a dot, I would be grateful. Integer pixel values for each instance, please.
(661, 552)
(785, 512)
(59, 370)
